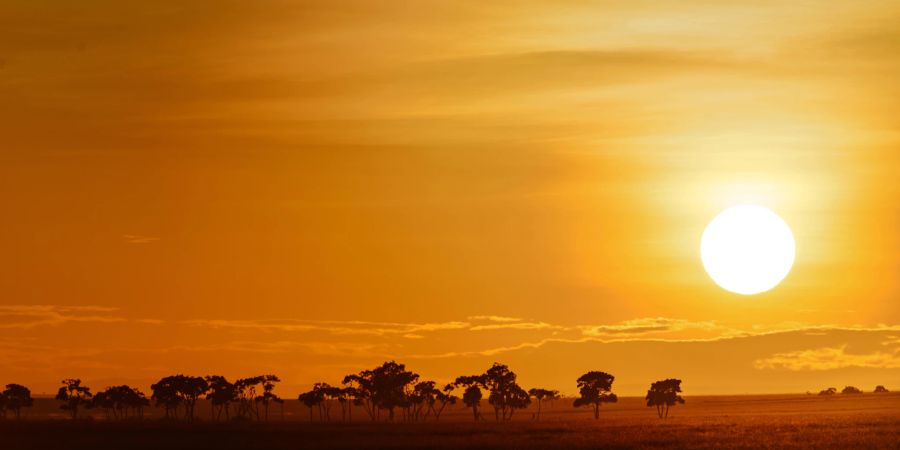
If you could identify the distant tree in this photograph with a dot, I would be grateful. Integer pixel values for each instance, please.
(422, 399)
(346, 398)
(268, 395)
(444, 397)
(504, 394)
(307, 399)
(179, 390)
(361, 388)
(540, 395)
(165, 394)
(220, 395)
(14, 398)
(663, 394)
(880, 389)
(829, 391)
(391, 380)
(472, 399)
(245, 394)
(382, 388)
(595, 388)
(851, 390)
(472, 393)
(73, 395)
(325, 392)
(120, 402)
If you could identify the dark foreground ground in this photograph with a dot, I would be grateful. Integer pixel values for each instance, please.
(866, 421)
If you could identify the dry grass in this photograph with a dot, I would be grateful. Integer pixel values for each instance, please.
(866, 421)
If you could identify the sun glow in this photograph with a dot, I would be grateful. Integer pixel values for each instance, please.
(747, 249)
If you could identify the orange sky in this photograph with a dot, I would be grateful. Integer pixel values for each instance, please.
(310, 188)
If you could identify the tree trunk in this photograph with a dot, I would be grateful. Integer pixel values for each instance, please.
(596, 411)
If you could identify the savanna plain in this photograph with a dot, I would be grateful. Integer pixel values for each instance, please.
(703, 422)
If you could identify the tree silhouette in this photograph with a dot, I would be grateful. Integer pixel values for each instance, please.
(73, 395)
(422, 398)
(346, 398)
(220, 395)
(504, 394)
(310, 399)
(384, 387)
(179, 390)
(829, 391)
(268, 385)
(14, 398)
(360, 386)
(595, 388)
(851, 390)
(663, 394)
(245, 394)
(165, 394)
(880, 389)
(472, 394)
(325, 392)
(541, 394)
(119, 401)
(444, 397)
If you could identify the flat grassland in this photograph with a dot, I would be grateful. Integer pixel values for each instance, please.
(715, 422)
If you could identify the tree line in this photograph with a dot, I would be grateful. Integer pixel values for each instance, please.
(386, 392)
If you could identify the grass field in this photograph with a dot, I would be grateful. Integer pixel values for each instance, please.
(775, 421)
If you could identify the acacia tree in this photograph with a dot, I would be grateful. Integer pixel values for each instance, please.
(851, 390)
(390, 380)
(595, 388)
(119, 401)
(829, 391)
(245, 394)
(346, 398)
(325, 392)
(384, 387)
(179, 390)
(73, 395)
(505, 395)
(881, 389)
(14, 398)
(444, 397)
(360, 387)
(540, 395)
(220, 395)
(422, 399)
(472, 393)
(268, 385)
(664, 394)
(165, 394)
(311, 399)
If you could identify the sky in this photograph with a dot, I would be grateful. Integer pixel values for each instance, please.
(312, 188)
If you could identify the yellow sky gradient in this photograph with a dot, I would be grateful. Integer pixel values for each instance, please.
(310, 188)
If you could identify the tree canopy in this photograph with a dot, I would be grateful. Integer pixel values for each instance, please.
(595, 388)
(663, 394)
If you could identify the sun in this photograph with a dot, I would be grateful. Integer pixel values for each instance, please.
(747, 249)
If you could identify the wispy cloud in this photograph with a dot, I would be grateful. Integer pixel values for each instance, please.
(647, 325)
(330, 326)
(30, 316)
(139, 239)
(491, 318)
(829, 358)
(518, 326)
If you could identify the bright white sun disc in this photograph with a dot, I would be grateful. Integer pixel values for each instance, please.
(747, 249)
